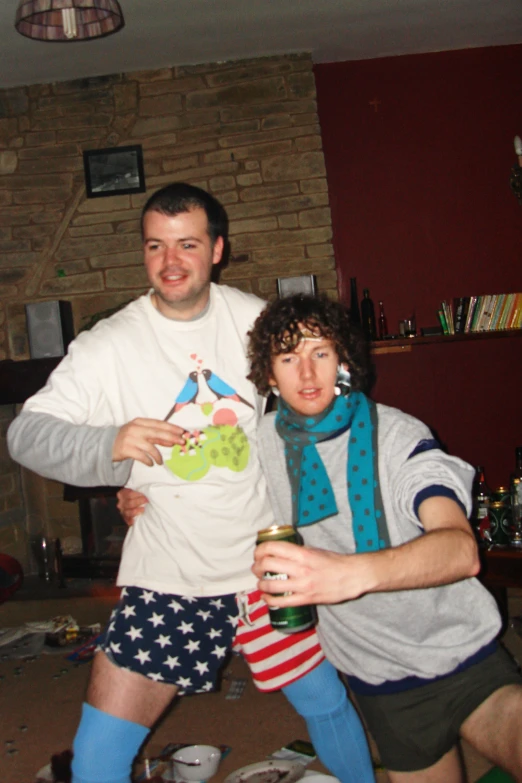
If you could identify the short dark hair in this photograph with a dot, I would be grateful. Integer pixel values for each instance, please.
(277, 330)
(181, 197)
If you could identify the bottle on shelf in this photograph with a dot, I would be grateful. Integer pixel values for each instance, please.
(368, 316)
(355, 315)
(515, 492)
(383, 323)
(481, 496)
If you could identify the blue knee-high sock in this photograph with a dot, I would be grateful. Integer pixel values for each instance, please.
(105, 747)
(333, 724)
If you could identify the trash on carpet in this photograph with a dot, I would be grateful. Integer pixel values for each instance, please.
(45, 636)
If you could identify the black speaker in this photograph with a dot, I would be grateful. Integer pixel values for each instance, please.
(50, 328)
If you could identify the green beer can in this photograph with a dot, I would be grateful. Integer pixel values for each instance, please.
(500, 522)
(287, 619)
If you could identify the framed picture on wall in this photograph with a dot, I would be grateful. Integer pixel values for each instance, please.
(114, 171)
(302, 284)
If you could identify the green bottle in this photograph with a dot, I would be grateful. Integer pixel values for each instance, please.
(368, 316)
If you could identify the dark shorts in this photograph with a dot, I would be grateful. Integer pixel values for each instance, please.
(413, 729)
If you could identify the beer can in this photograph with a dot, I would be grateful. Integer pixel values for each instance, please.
(288, 619)
(500, 522)
(501, 495)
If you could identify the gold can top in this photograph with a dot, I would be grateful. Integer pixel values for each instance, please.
(275, 532)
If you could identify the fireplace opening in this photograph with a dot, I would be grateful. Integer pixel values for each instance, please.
(102, 533)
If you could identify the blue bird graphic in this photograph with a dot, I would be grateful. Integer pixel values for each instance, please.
(204, 386)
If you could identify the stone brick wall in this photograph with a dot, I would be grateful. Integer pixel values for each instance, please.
(246, 131)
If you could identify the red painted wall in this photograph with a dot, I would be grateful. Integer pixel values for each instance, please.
(418, 154)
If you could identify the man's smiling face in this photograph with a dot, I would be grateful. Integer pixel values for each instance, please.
(179, 257)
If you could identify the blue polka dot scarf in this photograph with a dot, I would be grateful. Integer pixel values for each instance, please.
(312, 494)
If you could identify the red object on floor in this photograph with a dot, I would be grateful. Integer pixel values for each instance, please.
(13, 568)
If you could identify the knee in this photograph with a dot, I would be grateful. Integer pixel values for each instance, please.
(320, 692)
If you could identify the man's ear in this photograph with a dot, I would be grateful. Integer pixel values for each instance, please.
(217, 251)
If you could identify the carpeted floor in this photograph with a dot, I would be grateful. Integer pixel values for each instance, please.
(40, 701)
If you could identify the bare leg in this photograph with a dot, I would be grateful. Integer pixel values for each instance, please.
(448, 769)
(495, 729)
(127, 695)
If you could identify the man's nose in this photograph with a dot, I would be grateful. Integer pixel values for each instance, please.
(307, 368)
(171, 255)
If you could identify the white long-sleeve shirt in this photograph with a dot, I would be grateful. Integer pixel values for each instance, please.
(208, 500)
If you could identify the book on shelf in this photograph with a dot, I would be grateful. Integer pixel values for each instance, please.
(471, 312)
(448, 315)
(443, 322)
(515, 312)
(507, 311)
(487, 312)
(477, 315)
(461, 307)
(497, 311)
(481, 313)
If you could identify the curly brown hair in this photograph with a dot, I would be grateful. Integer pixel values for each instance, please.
(279, 327)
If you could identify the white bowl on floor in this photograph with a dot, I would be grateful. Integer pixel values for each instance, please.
(208, 757)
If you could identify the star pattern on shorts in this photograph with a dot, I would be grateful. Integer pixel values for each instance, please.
(181, 640)
(184, 682)
(148, 596)
(134, 633)
(143, 656)
(156, 619)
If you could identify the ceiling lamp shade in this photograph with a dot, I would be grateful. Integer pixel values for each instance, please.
(68, 20)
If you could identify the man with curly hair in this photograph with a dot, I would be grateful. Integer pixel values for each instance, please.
(389, 555)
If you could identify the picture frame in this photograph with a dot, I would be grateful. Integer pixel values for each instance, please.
(114, 171)
(302, 284)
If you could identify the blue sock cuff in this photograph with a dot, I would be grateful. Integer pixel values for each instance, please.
(318, 692)
(105, 747)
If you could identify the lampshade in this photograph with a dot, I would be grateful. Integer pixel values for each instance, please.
(68, 20)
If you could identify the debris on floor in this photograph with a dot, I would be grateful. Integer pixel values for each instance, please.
(46, 636)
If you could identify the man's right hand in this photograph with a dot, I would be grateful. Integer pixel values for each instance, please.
(131, 504)
(138, 438)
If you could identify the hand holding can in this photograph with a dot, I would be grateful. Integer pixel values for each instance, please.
(288, 619)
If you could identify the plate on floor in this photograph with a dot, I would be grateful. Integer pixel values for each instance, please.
(319, 777)
(270, 771)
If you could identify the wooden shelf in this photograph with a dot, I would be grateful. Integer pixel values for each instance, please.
(407, 344)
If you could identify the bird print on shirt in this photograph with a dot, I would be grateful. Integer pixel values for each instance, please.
(218, 440)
